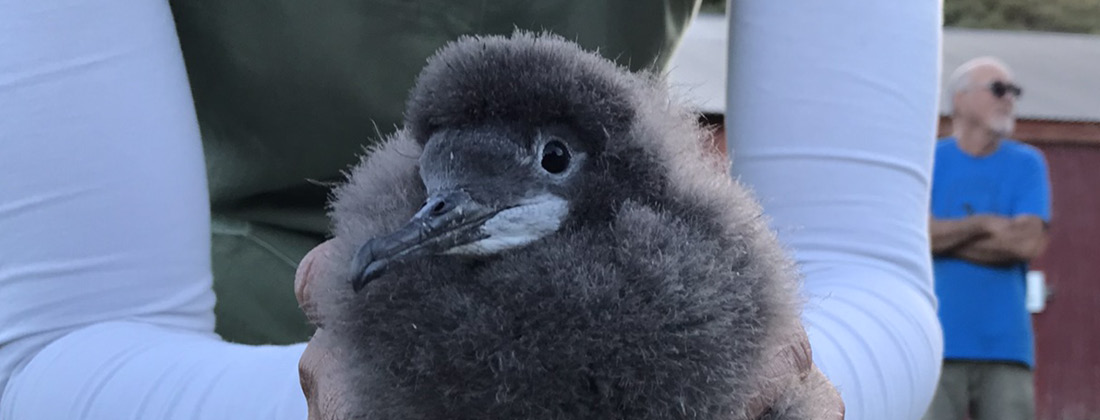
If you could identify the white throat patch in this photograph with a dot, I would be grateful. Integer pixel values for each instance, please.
(531, 220)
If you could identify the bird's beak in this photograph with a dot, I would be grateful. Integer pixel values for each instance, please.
(446, 221)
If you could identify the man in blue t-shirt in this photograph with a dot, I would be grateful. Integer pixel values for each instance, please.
(990, 213)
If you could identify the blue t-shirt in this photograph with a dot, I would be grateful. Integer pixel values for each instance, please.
(983, 308)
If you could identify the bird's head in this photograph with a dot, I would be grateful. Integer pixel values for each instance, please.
(521, 137)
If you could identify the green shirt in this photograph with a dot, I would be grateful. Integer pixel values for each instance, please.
(288, 94)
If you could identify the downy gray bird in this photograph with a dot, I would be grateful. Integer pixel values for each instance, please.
(547, 237)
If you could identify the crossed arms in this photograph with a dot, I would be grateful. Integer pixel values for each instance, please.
(989, 239)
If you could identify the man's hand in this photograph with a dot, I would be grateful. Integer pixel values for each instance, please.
(317, 369)
(948, 235)
(992, 224)
(324, 392)
(794, 361)
(1009, 241)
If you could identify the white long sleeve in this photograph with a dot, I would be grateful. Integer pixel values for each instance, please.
(830, 119)
(106, 303)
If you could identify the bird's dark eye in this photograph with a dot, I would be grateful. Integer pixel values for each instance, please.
(555, 157)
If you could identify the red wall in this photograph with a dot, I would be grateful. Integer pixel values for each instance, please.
(1067, 332)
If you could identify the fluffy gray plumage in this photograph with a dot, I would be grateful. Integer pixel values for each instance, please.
(657, 296)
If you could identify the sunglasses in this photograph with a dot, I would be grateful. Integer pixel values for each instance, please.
(1000, 89)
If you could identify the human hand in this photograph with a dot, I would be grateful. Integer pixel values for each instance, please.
(993, 225)
(317, 370)
(790, 382)
(788, 373)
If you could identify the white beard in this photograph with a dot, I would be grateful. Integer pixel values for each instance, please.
(1003, 125)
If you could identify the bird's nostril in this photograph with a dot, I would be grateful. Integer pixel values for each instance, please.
(439, 208)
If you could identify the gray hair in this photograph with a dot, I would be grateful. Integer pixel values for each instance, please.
(961, 79)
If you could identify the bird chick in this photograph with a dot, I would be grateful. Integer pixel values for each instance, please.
(546, 238)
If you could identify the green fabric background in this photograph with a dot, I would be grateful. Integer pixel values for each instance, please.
(289, 91)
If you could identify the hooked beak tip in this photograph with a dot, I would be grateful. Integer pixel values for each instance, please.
(358, 283)
(447, 220)
(370, 272)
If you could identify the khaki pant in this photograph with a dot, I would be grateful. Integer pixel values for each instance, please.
(985, 391)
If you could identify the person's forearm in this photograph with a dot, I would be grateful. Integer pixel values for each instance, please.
(853, 208)
(986, 251)
(129, 370)
(107, 304)
(947, 235)
(1023, 240)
